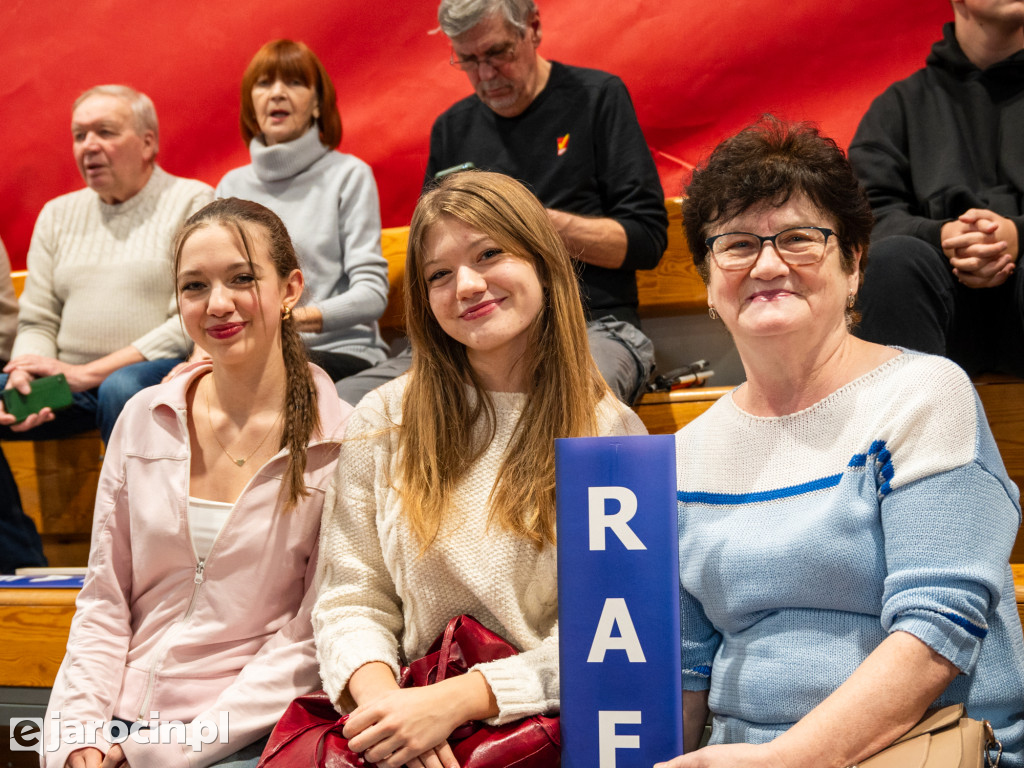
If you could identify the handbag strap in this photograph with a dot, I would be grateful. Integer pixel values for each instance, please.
(444, 655)
(991, 742)
(318, 751)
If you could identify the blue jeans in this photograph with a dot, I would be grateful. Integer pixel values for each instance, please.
(20, 545)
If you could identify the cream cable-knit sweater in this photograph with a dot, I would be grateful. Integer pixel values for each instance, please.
(99, 276)
(379, 600)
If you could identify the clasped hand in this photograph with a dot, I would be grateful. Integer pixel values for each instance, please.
(407, 727)
(981, 247)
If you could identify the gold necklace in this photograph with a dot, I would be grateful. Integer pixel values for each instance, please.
(238, 462)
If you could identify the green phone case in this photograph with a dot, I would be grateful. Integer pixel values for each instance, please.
(52, 391)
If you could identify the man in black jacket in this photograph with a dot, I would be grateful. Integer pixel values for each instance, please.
(941, 155)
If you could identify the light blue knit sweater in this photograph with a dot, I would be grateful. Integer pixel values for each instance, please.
(805, 539)
(328, 201)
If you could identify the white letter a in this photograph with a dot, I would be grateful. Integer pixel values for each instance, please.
(615, 613)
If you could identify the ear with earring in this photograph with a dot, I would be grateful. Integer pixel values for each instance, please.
(712, 313)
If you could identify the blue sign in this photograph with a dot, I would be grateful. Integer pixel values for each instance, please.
(618, 601)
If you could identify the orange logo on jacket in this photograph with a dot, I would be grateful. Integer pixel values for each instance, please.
(563, 144)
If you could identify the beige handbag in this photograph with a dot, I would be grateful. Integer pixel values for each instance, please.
(945, 738)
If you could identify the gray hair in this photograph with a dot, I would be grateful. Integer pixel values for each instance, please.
(143, 111)
(457, 17)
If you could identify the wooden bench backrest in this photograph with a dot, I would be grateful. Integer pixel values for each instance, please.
(673, 288)
(18, 278)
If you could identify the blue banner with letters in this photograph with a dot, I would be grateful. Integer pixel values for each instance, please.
(618, 601)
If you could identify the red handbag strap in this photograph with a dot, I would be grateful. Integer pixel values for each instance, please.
(444, 655)
(318, 752)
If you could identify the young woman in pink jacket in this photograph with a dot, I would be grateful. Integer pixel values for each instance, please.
(192, 632)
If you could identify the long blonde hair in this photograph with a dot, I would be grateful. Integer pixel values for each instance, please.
(445, 399)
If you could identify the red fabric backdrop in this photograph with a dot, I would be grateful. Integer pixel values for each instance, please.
(697, 70)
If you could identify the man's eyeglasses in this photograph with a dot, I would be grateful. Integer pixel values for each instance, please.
(797, 247)
(494, 59)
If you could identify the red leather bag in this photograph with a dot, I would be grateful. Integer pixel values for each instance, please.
(308, 735)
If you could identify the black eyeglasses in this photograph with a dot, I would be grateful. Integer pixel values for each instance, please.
(494, 59)
(797, 246)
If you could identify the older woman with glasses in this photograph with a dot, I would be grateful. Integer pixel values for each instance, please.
(845, 518)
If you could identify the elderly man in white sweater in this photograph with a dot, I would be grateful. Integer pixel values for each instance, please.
(99, 301)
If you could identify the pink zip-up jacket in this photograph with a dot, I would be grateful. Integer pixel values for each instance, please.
(158, 631)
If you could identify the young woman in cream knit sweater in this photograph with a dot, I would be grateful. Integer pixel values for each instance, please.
(444, 498)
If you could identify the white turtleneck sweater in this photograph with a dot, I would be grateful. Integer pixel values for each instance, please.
(328, 201)
(100, 276)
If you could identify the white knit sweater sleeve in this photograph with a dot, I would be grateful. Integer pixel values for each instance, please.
(528, 684)
(357, 617)
(39, 318)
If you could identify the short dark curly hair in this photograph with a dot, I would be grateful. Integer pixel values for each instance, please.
(767, 163)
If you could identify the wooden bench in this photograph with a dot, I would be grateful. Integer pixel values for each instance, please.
(34, 624)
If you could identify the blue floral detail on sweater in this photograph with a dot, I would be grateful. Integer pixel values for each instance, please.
(885, 470)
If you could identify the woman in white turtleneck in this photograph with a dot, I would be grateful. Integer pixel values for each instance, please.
(327, 199)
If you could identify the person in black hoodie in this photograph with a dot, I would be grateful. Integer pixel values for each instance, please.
(941, 155)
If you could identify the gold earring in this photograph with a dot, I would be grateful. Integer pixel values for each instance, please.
(712, 313)
(851, 300)
(286, 312)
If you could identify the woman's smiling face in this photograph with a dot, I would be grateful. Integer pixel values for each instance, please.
(771, 297)
(221, 308)
(482, 296)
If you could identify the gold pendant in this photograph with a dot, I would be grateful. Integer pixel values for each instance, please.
(239, 462)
